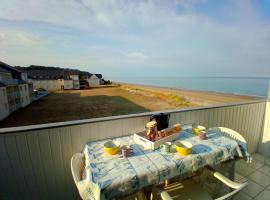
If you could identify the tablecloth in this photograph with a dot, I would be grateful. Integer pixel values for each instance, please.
(117, 176)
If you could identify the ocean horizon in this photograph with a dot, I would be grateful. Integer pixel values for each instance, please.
(254, 86)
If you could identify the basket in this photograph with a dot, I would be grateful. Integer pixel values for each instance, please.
(140, 138)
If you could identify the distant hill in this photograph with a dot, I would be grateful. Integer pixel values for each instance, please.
(51, 73)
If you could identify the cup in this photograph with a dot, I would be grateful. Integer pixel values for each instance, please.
(202, 135)
(166, 147)
(126, 151)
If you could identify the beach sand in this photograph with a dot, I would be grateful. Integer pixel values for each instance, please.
(203, 98)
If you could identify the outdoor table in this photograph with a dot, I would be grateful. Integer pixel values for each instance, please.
(118, 176)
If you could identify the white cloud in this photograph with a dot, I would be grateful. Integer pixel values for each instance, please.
(188, 39)
(12, 38)
(136, 57)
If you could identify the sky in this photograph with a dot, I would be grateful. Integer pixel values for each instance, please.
(142, 38)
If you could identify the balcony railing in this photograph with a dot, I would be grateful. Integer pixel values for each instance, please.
(35, 160)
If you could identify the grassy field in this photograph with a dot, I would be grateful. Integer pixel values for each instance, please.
(101, 102)
(84, 104)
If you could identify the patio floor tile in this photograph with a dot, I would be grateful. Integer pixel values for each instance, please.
(260, 178)
(265, 169)
(259, 157)
(255, 164)
(243, 169)
(253, 189)
(267, 161)
(242, 196)
(239, 178)
(268, 187)
(264, 195)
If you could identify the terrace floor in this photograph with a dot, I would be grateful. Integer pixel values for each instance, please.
(258, 174)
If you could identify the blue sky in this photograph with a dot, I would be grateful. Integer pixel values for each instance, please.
(139, 38)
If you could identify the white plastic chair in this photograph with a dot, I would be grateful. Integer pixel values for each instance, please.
(227, 132)
(230, 133)
(87, 189)
(191, 190)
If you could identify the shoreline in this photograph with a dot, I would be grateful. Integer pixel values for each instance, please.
(197, 96)
(192, 90)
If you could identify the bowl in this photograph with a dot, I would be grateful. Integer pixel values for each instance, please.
(183, 147)
(111, 147)
(197, 129)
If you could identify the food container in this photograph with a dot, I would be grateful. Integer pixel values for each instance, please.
(141, 139)
(183, 147)
(167, 147)
(111, 147)
(197, 129)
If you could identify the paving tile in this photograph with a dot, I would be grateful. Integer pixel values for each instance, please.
(264, 195)
(265, 169)
(260, 178)
(243, 168)
(242, 196)
(239, 178)
(252, 189)
(255, 164)
(267, 161)
(259, 157)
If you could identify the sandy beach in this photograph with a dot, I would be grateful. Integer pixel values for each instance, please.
(202, 98)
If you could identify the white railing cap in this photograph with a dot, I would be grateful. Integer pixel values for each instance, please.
(145, 114)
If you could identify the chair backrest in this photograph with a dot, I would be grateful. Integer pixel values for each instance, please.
(77, 166)
(231, 134)
(237, 137)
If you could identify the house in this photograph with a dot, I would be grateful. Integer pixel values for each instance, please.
(53, 78)
(95, 80)
(4, 109)
(49, 85)
(15, 91)
(75, 81)
(72, 82)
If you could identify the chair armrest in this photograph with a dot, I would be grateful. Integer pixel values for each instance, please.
(229, 183)
(164, 195)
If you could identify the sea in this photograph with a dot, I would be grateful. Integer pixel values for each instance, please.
(234, 85)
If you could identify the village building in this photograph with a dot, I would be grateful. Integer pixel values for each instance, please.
(15, 91)
(54, 78)
(94, 80)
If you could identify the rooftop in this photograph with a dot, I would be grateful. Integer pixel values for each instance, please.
(3, 70)
(50, 73)
(16, 74)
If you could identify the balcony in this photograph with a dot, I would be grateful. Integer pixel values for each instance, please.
(35, 160)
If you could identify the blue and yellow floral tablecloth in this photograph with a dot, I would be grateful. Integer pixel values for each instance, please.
(117, 176)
